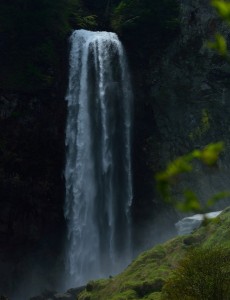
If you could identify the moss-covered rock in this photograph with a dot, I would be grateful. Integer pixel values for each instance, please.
(146, 275)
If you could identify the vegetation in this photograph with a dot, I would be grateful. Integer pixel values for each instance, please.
(220, 44)
(146, 16)
(203, 274)
(154, 270)
(148, 25)
(175, 170)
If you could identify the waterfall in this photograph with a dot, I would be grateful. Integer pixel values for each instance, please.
(98, 158)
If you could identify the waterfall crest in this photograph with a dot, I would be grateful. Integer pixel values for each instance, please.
(98, 158)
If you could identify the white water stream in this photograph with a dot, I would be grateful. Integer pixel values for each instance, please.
(98, 159)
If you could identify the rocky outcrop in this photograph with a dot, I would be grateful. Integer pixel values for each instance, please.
(188, 224)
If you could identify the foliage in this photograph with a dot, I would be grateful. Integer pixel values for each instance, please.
(181, 165)
(203, 274)
(147, 23)
(101, 8)
(220, 44)
(223, 9)
(80, 17)
(134, 13)
(145, 277)
(141, 280)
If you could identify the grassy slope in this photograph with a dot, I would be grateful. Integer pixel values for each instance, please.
(145, 276)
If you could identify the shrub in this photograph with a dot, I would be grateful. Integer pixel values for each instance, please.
(204, 274)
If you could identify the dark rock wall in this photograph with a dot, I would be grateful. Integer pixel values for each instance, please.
(191, 86)
(182, 103)
(31, 186)
(191, 93)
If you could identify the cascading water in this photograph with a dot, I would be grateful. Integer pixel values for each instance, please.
(98, 159)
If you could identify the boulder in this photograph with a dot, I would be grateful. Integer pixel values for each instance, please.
(188, 224)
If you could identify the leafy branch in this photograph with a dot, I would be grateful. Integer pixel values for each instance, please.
(220, 44)
(167, 179)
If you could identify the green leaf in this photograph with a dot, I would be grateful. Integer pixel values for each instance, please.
(223, 8)
(167, 179)
(211, 152)
(217, 197)
(190, 204)
(220, 45)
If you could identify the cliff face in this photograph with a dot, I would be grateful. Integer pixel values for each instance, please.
(191, 95)
(31, 186)
(190, 86)
(182, 103)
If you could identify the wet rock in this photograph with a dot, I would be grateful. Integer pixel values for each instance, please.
(70, 294)
(189, 224)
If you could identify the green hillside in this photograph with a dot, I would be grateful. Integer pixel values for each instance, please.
(145, 276)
